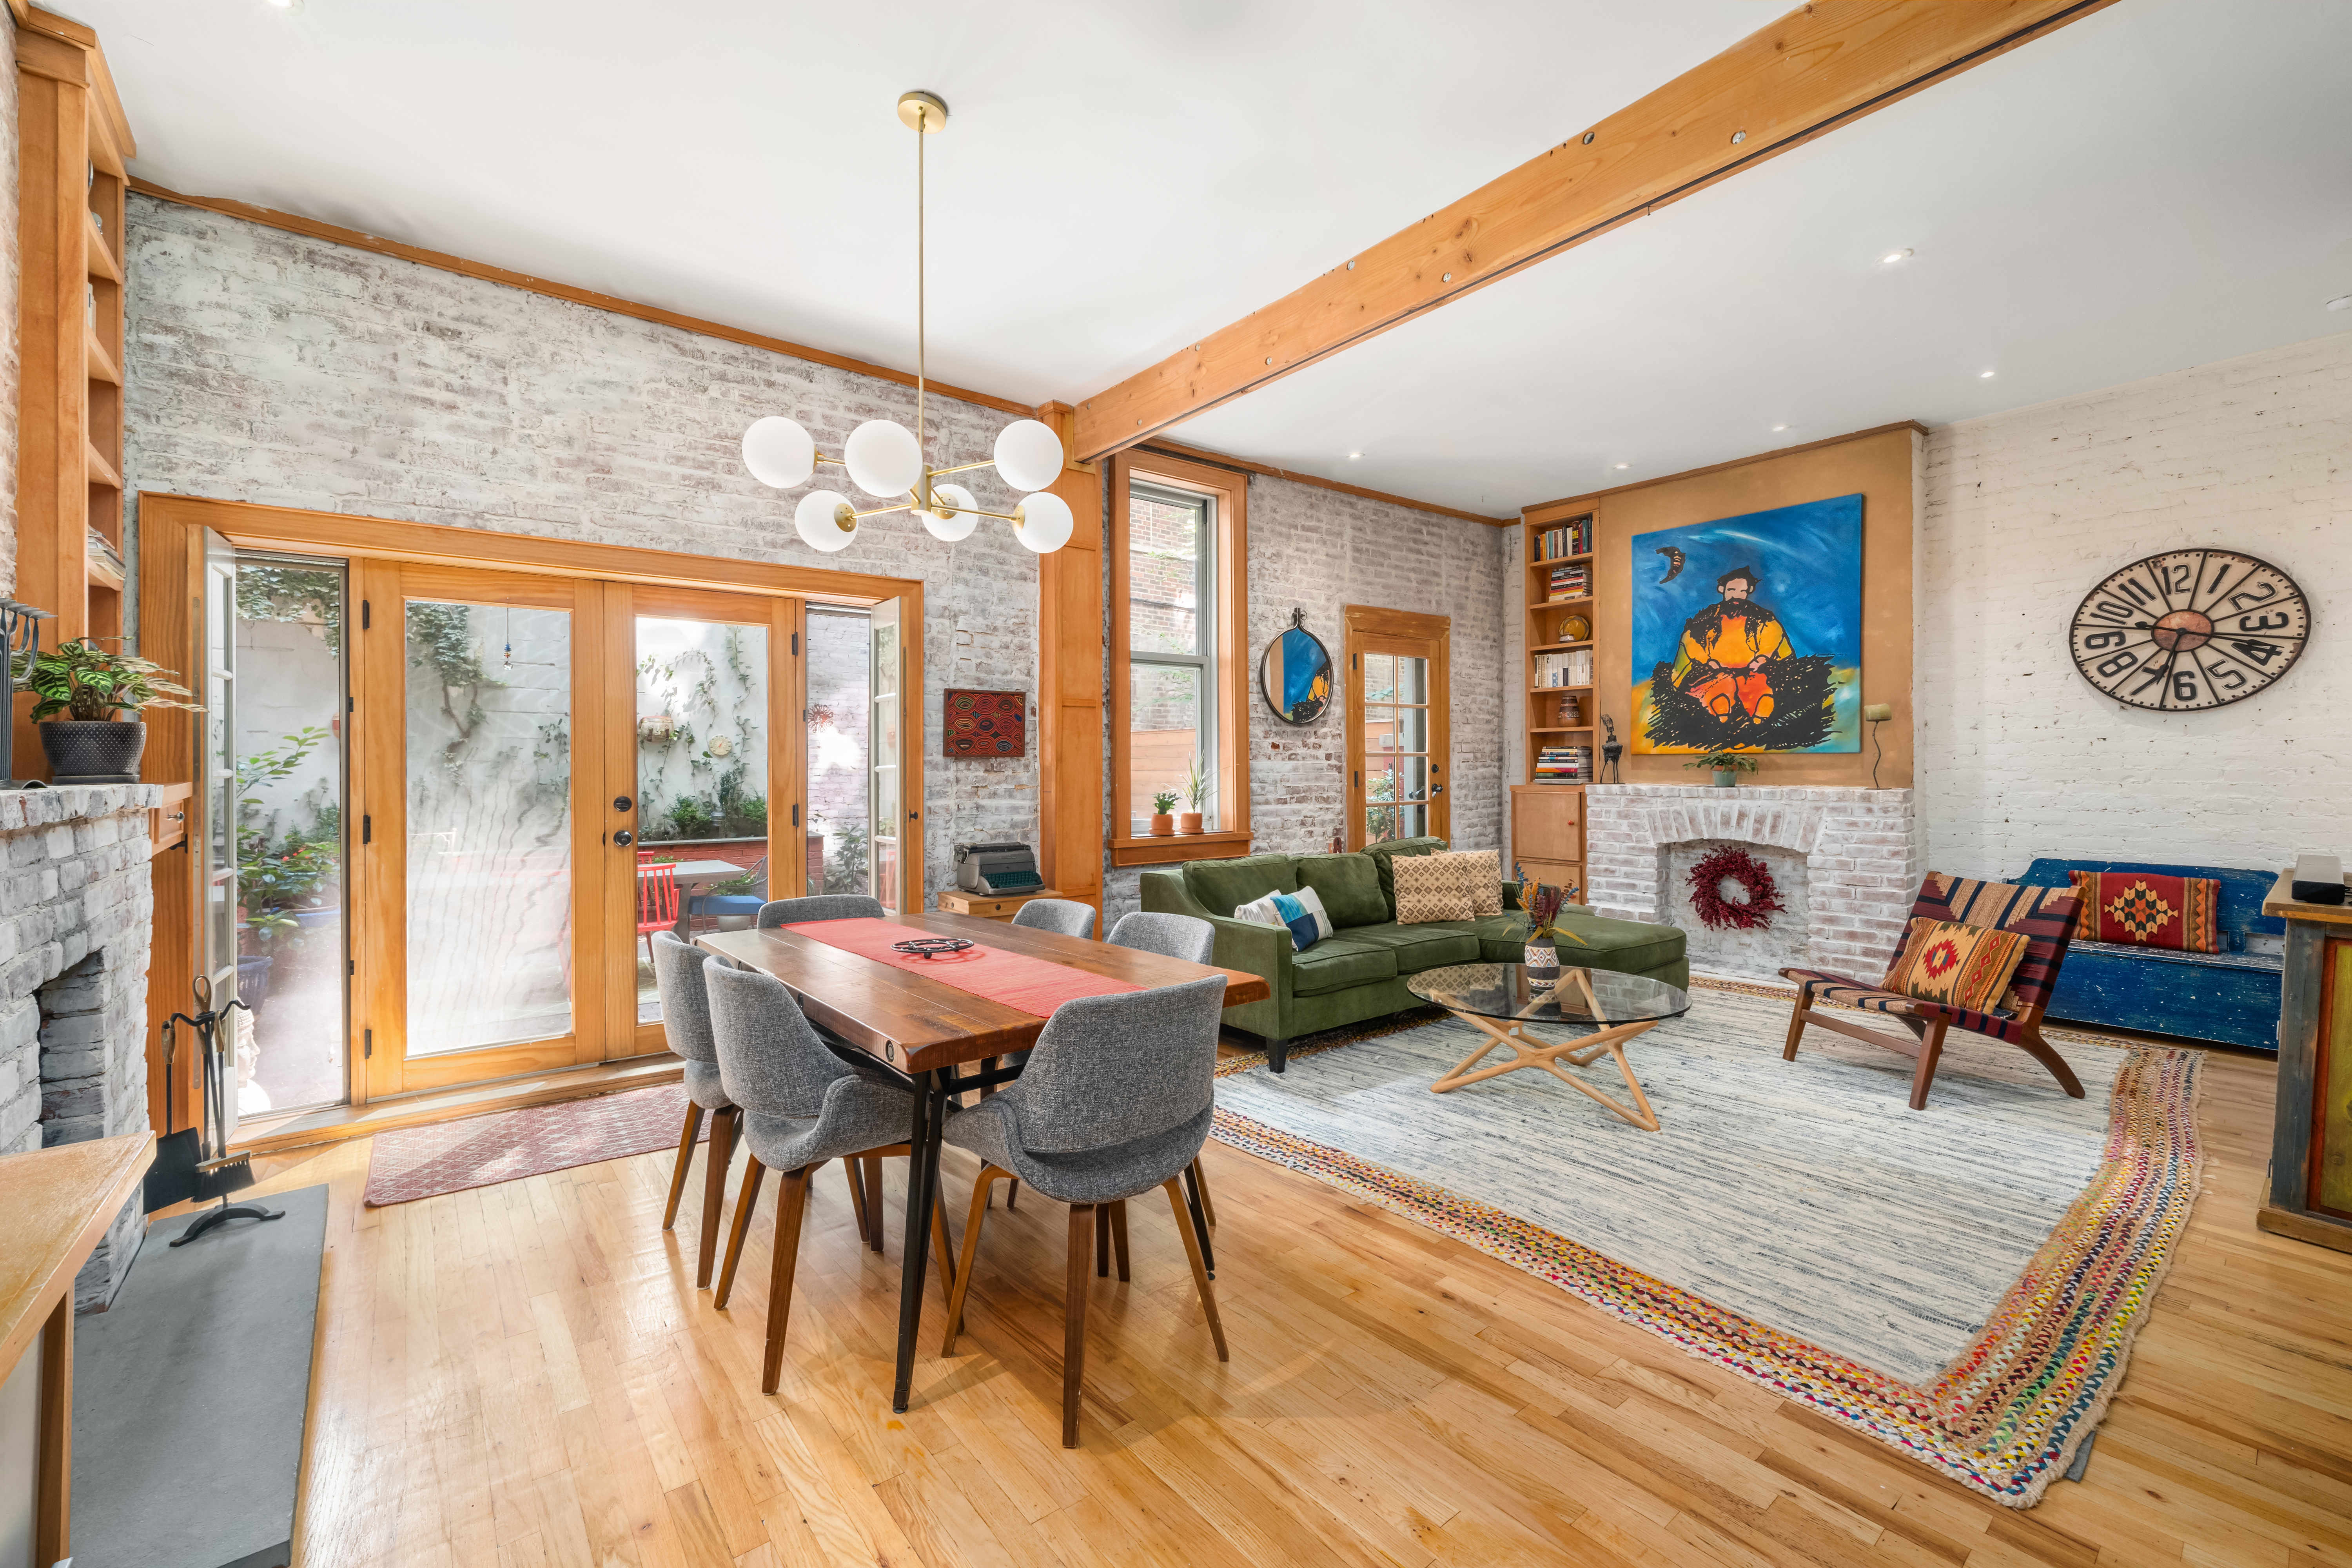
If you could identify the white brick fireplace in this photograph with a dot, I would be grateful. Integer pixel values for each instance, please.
(1846, 862)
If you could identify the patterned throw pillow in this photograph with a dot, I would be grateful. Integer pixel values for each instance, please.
(1301, 912)
(1957, 965)
(1435, 887)
(1486, 878)
(2142, 911)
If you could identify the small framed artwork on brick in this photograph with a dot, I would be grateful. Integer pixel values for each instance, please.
(986, 723)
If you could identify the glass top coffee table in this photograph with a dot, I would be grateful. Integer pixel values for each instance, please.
(1499, 999)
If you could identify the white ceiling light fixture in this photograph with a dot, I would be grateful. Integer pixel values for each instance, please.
(1778, 428)
(1892, 257)
(1984, 375)
(1619, 465)
(1353, 456)
(884, 459)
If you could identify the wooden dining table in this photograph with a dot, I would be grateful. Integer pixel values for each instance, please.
(927, 1032)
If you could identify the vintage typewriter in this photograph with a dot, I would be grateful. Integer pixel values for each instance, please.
(996, 869)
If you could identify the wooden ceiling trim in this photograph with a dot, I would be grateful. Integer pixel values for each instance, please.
(1820, 67)
(294, 224)
(1569, 506)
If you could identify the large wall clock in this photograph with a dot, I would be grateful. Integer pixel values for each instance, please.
(2196, 628)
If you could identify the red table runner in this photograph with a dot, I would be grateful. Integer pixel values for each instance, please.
(1034, 986)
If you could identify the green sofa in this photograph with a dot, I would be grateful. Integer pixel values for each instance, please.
(1359, 971)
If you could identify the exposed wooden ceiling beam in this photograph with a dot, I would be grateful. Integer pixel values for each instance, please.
(1816, 68)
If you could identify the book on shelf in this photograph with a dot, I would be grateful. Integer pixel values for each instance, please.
(100, 547)
(1571, 538)
(1573, 668)
(1564, 765)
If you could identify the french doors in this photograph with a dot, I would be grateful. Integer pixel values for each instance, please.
(550, 770)
(1397, 742)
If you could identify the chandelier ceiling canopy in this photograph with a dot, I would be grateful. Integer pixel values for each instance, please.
(885, 460)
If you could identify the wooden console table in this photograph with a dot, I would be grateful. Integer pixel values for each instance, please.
(55, 1207)
(987, 906)
(2311, 1141)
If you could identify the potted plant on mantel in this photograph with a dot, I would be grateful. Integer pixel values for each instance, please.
(90, 686)
(1196, 791)
(1727, 766)
(1163, 818)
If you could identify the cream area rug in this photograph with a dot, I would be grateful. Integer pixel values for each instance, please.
(1961, 1282)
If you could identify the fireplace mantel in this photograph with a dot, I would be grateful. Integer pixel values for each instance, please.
(1860, 847)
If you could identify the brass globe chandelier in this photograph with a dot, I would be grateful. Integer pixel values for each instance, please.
(885, 460)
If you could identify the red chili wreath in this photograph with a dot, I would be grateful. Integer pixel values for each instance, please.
(1729, 865)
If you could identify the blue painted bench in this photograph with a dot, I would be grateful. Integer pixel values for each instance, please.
(2231, 998)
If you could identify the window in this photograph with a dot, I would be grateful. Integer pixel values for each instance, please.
(1179, 674)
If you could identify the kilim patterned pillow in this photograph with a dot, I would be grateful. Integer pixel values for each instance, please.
(1486, 884)
(1435, 887)
(2141, 910)
(1957, 965)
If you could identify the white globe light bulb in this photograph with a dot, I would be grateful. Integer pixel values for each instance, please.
(1045, 522)
(819, 519)
(1028, 455)
(883, 459)
(961, 519)
(779, 452)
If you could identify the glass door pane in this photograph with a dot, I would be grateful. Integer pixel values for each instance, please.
(1396, 725)
(289, 748)
(218, 958)
(487, 776)
(840, 760)
(702, 782)
(883, 739)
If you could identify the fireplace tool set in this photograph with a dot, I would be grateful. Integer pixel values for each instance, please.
(20, 637)
(194, 1162)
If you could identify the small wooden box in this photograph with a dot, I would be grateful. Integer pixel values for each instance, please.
(1001, 907)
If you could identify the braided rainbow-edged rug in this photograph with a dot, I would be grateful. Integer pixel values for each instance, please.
(1999, 1391)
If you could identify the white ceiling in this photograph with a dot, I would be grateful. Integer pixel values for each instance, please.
(1115, 181)
(2164, 183)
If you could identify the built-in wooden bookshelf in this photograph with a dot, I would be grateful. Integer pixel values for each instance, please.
(73, 146)
(1548, 812)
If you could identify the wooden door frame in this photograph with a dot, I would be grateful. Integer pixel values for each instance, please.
(1367, 624)
(171, 564)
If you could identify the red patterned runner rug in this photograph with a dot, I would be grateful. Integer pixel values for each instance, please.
(1033, 984)
(415, 1162)
(2006, 1418)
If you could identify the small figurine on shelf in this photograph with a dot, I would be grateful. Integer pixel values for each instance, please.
(1611, 751)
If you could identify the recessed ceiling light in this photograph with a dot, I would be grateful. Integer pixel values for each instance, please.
(1778, 428)
(1354, 455)
(1892, 257)
(2341, 302)
(1620, 464)
(1984, 375)
(283, 5)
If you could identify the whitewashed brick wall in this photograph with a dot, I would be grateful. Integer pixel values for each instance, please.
(2018, 756)
(269, 367)
(1321, 551)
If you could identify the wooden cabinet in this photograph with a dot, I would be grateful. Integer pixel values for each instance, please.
(2311, 1147)
(956, 901)
(1547, 833)
(1561, 711)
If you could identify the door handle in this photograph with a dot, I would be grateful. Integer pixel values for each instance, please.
(624, 838)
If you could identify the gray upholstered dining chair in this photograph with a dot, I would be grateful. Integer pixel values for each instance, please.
(1117, 1100)
(820, 907)
(1063, 915)
(686, 1020)
(802, 1106)
(1195, 942)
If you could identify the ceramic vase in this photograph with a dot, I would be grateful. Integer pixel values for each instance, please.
(1542, 960)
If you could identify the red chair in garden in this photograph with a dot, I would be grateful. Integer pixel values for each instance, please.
(2046, 917)
(657, 903)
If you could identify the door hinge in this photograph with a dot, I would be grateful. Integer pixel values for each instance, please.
(796, 645)
(351, 966)
(1360, 780)
(364, 615)
(367, 1039)
(349, 705)
(796, 814)
(367, 829)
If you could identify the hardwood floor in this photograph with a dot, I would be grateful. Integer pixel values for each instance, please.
(525, 1376)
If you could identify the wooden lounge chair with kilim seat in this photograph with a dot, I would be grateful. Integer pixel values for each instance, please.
(2045, 917)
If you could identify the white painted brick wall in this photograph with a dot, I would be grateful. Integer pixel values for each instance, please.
(1321, 551)
(268, 367)
(2019, 757)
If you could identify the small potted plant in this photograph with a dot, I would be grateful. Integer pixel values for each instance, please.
(90, 686)
(1196, 791)
(1544, 931)
(1727, 766)
(1163, 818)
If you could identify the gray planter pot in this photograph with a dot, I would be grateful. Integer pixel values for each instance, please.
(93, 750)
(1727, 778)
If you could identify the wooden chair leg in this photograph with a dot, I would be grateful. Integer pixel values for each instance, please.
(686, 1142)
(1119, 1236)
(849, 1168)
(1931, 1048)
(1200, 1191)
(2041, 1050)
(791, 1201)
(1200, 1269)
(1012, 1191)
(714, 1189)
(1797, 1021)
(876, 1209)
(1102, 1241)
(747, 1199)
(1074, 1326)
(989, 1176)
